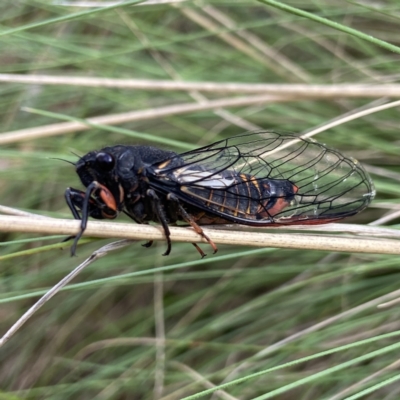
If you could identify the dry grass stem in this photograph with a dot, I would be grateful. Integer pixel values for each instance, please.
(172, 72)
(313, 328)
(201, 379)
(351, 116)
(120, 118)
(55, 289)
(109, 229)
(342, 90)
(99, 4)
(362, 383)
(15, 211)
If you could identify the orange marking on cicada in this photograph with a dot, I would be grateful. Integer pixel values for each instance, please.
(254, 181)
(222, 208)
(164, 164)
(121, 193)
(280, 204)
(107, 197)
(210, 198)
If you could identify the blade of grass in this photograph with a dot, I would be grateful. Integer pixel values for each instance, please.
(332, 24)
(68, 17)
(313, 377)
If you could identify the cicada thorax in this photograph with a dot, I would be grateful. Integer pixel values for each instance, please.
(122, 178)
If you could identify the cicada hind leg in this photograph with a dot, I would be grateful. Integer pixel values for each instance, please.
(190, 220)
(159, 212)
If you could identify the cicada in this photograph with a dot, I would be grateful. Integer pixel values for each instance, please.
(259, 179)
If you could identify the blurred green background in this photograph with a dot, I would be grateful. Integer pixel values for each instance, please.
(232, 314)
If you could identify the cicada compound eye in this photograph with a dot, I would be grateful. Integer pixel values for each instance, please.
(105, 161)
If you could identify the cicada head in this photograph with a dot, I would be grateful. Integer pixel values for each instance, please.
(96, 166)
(109, 167)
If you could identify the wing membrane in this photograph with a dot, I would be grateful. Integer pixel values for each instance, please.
(268, 177)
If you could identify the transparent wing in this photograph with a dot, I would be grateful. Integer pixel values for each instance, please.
(268, 177)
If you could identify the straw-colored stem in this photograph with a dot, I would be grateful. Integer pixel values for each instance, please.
(343, 90)
(108, 229)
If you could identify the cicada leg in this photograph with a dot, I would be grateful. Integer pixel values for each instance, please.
(101, 206)
(160, 214)
(189, 219)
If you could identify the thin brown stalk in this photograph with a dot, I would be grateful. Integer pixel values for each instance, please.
(342, 90)
(201, 379)
(362, 383)
(56, 288)
(115, 119)
(107, 229)
(171, 71)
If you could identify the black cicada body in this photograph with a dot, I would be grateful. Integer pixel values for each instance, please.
(259, 179)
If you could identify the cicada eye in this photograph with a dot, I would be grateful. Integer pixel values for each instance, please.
(105, 161)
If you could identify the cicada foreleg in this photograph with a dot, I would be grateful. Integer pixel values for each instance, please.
(97, 202)
(75, 199)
